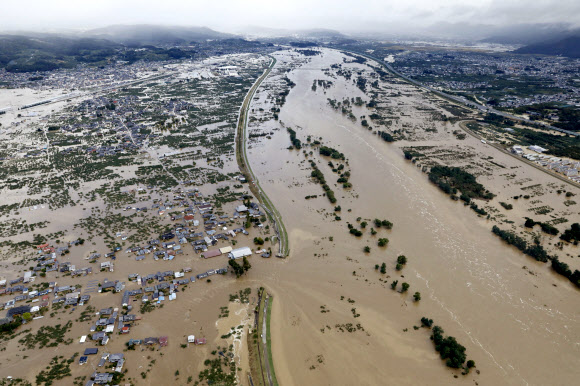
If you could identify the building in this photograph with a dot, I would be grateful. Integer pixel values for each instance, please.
(517, 150)
(537, 149)
(211, 253)
(239, 253)
(17, 311)
(225, 250)
(150, 341)
(91, 351)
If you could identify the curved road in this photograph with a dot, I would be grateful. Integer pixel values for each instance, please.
(245, 168)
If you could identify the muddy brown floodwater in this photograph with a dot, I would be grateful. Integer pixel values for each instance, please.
(520, 329)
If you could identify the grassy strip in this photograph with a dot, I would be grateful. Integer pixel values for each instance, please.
(269, 342)
(262, 357)
(255, 369)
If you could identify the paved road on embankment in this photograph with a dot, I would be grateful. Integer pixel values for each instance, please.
(246, 169)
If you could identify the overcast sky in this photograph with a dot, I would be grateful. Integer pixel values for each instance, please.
(230, 15)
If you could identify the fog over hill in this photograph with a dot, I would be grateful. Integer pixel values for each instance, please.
(156, 34)
(568, 46)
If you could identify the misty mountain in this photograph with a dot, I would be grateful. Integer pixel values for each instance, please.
(520, 34)
(154, 35)
(530, 33)
(569, 46)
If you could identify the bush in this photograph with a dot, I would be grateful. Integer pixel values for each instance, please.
(383, 268)
(333, 153)
(295, 141)
(386, 136)
(564, 270)
(356, 232)
(549, 229)
(506, 206)
(572, 234)
(387, 224)
(426, 322)
(536, 251)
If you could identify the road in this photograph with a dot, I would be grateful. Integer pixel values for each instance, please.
(461, 100)
(244, 165)
(482, 108)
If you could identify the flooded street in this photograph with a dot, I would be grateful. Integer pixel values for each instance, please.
(519, 328)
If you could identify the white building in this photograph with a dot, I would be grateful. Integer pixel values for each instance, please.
(537, 149)
(239, 253)
(225, 250)
(517, 150)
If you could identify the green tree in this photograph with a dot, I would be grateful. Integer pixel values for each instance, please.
(470, 363)
(27, 316)
(246, 264)
(401, 261)
(238, 269)
(417, 296)
(367, 249)
(426, 322)
(448, 348)
(363, 224)
(394, 284)
(383, 268)
(405, 287)
(387, 224)
(383, 242)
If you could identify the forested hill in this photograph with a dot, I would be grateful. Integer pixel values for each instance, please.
(569, 47)
(26, 54)
(46, 52)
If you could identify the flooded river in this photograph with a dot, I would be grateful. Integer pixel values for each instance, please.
(518, 327)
